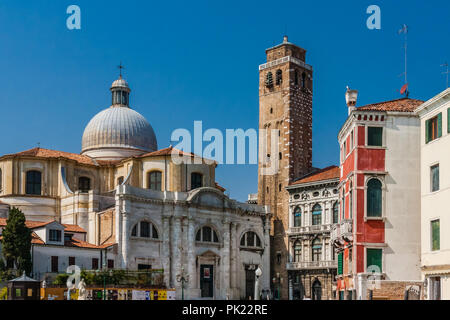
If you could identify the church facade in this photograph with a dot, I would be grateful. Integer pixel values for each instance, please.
(155, 212)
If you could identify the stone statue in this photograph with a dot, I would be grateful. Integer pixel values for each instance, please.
(82, 292)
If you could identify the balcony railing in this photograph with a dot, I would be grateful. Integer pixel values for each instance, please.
(342, 230)
(311, 265)
(310, 229)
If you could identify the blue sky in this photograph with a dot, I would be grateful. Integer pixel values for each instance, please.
(198, 60)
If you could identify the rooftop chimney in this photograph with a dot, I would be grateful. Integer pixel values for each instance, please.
(350, 97)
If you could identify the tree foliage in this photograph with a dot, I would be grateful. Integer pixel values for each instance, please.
(16, 242)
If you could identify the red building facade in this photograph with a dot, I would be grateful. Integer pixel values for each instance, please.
(373, 140)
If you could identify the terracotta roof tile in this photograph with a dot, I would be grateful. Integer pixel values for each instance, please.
(53, 154)
(399, 105)
(167, 152)
(73, 228)
(80, 244)
(327, 173)
(38, 224)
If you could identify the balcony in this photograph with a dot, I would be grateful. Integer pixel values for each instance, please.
(309, 229)
(342, 231)
(311, 265)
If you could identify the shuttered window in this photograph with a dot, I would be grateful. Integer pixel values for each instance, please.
(435, 235)
(340, 263)
(375, 136)
(374, 257)
(317, 215)
(433, 128)
(448, 120)
(374, 198)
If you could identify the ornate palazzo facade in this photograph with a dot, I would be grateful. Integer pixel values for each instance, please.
(313, 209)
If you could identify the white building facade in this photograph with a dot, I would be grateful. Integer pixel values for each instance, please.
(435, 192)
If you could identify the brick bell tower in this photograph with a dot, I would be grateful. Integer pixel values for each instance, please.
(285, 104)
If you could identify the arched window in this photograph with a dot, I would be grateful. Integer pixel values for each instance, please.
(279, 77)
(303, 80)
(154, 180)
(297, 217)
(33, 183)
(343, 203)
(269, 79)
(196, 180)
(250, 239)
(84, 184)
(119, 181)
(297, 251)
(374, 198)
(207, 234)
(316, 249)
(145, 229)
(317, 215)
(296, 77)
(336, 212)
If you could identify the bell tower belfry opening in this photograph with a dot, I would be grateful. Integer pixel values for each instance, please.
(285, 105)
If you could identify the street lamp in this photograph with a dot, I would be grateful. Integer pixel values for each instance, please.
(183, 278)
(258, 274)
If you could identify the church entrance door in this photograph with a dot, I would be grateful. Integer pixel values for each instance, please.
(207, 280)
(249, 284)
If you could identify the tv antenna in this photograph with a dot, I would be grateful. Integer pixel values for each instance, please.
(445, 65)
(405, 89)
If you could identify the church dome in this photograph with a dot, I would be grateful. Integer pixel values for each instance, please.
(118, 132)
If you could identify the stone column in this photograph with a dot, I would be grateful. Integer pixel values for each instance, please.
(165, 254)
(266, 257)
(291, 290)
(190, 268)
(234, 263)
(176, 253)
(226, 252)
(291, 217)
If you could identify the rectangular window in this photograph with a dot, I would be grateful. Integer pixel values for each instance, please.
(374, 259)
(55, 235)
(55, 264)
(351, 140)
(375, 136)
(433, 128)
(29, 292)
(18, 292)
(434, 170)
(71, 261)
(94, 263)
(110, 264)
(435, 235)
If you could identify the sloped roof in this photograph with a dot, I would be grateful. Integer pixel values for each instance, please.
(327, 173)
(398, 105)
(35, 239)
(53, 154)
(38, 224)
(167, 152)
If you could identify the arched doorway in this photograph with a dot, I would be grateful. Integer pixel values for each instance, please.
(317, 290)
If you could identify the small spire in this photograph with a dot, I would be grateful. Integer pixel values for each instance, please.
(285, 39)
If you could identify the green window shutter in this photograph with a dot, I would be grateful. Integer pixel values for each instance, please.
(340, 263)
(435, 235)
(427, 131)
(439, 133)
(374, 257)
(448, 120)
